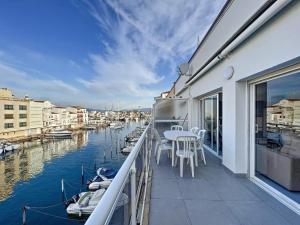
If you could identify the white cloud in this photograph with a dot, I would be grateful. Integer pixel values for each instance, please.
(144, 35)
(18, 78)
(143, 42)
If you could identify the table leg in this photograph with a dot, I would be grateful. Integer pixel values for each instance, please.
(173, 149)
(196, 153)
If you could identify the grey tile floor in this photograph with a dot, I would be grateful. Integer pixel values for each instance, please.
(214, 196)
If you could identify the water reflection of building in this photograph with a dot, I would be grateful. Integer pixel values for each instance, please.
(23, 165)
(285, 112)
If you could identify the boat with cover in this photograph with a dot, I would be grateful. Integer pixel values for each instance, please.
(85, 202)
(107, 173)
(103, 178)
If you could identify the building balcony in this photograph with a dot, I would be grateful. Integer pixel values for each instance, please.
(214, 196)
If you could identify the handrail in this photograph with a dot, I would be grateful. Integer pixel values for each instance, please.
(106, 206)
(185, 119)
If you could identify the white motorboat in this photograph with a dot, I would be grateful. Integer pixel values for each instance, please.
(103, 178)
(116, 125)
(86, 202)
(59, 134)
(99, 184)
(8, 148)
(132, 139)
(15, 146)
(90, 128)
(126, 150)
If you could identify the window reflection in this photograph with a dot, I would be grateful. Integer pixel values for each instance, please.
(278, 134)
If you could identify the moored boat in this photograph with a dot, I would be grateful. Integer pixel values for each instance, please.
(95, 185)
(85, 202)
(106, 172)
(126, 150)
(59, 134)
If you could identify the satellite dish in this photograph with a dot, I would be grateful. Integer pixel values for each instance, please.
(184, 69)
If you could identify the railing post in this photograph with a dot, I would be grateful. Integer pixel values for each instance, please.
(146, 151)
(133, 194)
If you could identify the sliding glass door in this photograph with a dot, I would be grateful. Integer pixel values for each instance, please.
(277, 134)
(212, 121)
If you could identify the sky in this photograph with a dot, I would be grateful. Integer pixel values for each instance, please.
(99, 53)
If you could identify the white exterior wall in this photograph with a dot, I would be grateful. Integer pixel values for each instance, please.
(237, 14)
(35, 117)
(263, 50)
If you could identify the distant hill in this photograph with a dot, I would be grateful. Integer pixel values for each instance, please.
(126, 110)
(141, 109)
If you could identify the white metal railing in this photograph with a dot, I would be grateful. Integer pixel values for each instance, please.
(103, 213)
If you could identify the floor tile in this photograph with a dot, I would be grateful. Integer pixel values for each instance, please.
(255, 213)
(197, 189)
(210, 213)
(165, 188)
(168, 211)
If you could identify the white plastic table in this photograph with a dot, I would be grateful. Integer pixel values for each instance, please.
(172, 136)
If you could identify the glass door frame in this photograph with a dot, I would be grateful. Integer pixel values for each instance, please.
(202, 119)
(252, 131)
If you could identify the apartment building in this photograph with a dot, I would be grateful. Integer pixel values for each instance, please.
(82, 116)
(47, 120)
(59, 117)
(35, 117)
(72, 114)
(242, 85)
(14, 114)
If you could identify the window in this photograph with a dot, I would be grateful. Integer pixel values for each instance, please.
(23, 124)
(8, 116)
(8, 107)
(22, 107)
(22, 116)
(277, 134)
(8, 125)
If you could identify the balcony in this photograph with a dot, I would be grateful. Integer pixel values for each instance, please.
(215, 196)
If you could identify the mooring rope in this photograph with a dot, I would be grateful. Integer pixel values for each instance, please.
(52, 215)
(45, 207)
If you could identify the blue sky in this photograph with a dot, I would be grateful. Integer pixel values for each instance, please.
(97, 53)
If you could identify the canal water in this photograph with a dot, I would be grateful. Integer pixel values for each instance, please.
(32, 176)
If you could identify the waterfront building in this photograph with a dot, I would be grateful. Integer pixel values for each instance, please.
(60, 117)
(14, 114)
(35, 117)
(47, 119)
(82, 116)
(242, 85)
(72, 117)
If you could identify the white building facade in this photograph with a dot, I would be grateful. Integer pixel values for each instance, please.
(243, 87)
(35, 117)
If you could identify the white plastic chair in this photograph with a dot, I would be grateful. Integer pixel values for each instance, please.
(161, 147)
(195, 130)
(184, 151)
(158, 140)
(177, 127)
(200, 142)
